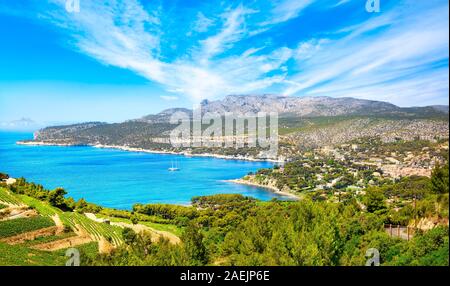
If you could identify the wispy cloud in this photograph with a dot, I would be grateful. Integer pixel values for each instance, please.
(169, 98)
(202, 24)
(233, 30)
(285, 10)
(400, 54)
(406, 59)
(342, 2)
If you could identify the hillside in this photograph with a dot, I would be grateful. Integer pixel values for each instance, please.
(332, 228)
(34, 232)
(304, 121)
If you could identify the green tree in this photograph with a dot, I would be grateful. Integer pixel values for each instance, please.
(134, 219)
(345, 181)
(439, 179)
(56, 198)
(193, 245)
(80, 205)
(129, 236)
(375, 201)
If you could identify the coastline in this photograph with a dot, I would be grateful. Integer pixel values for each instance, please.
(41, 143)
(272, 189)
(183, 153)
(142, 150)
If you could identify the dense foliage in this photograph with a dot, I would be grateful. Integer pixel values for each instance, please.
(54, 197)
(282, 233)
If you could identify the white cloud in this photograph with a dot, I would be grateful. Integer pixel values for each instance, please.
(396, 64)
(386, 52)
(342, 2)
(232, 31)
(126, 43)
(169, 98)
(202, 23)
(306, 50)
(285, 10)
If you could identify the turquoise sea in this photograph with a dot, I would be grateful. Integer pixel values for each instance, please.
(119, 179)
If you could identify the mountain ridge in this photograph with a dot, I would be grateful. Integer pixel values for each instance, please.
(345, 119)
(296, 107)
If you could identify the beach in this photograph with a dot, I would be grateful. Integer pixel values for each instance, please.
(272, 189)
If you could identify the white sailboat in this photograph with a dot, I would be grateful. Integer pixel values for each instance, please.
(174, 168)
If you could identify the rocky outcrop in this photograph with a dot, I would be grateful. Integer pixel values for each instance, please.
(297, 106)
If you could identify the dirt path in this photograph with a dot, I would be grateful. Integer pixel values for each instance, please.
(82, 237)
(59, 224)
(14, 212)
(63, 243)
(156, 234)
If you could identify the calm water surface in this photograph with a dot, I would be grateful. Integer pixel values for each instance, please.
(119, 179)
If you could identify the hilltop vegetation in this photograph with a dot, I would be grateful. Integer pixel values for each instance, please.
(241, 231)
(237, 230)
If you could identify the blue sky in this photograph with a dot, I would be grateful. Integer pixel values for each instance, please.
(116, 60)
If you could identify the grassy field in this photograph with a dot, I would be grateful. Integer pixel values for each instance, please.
(18, 255)
(68, 218)
(51, 238)
(95, 229)
(178, 231)
(88, 249)
(21, 225)
(21, 255)
(71, 219)
(43, 208)
(7, 197)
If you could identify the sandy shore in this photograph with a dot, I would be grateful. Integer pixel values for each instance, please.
(141, 150)
(272, 189)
